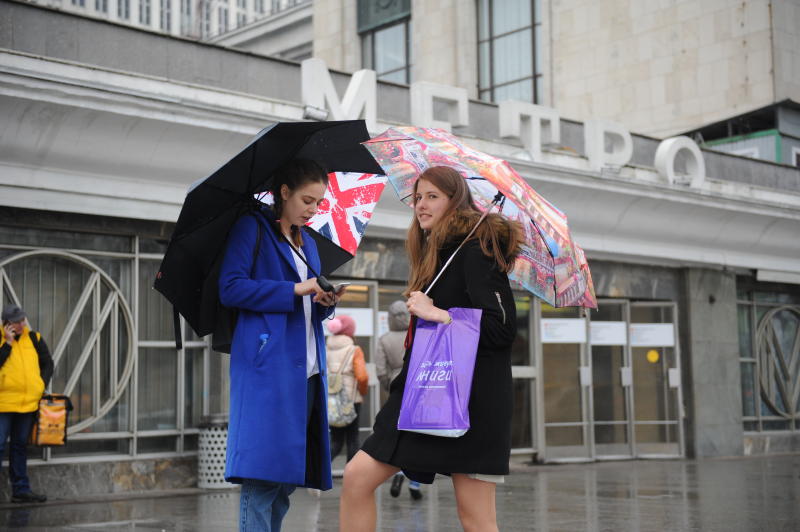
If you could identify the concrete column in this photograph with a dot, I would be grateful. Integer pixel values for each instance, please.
(175, 17)
(445, 53)
(710, 360)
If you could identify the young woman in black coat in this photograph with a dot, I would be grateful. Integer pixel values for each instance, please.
(444, 214)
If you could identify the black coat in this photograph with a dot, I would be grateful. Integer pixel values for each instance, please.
(472, 280)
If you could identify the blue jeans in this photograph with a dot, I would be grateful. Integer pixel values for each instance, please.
(264, 504)
(16, 427)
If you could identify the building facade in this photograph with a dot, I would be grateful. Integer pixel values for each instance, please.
(660, 68)
(194, 19)
(694, 254)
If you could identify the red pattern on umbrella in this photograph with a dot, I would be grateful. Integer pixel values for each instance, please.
(348, 200)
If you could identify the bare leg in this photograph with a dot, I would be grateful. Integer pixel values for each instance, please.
(362, 476)
(475, 500)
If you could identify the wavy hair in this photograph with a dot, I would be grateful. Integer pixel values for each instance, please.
(499, 238)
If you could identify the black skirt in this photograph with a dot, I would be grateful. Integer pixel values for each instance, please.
(472, 281)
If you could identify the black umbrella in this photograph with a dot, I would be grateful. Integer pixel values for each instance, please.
(190, 269)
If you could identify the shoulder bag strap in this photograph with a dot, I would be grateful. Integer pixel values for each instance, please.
(498, 199)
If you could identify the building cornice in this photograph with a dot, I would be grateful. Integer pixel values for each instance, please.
(97, 141)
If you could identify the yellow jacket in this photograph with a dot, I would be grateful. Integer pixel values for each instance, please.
(21, 384)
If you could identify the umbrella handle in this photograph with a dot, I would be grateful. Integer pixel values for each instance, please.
(324, 284)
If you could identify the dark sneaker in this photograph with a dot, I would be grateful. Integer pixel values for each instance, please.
(28, 496)
(397, 483)
(416, 493)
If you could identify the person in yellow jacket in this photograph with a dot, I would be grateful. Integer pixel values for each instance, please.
(25, 369)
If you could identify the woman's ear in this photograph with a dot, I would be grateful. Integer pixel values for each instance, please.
(285, 192)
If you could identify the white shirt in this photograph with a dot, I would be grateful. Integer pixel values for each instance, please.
(312, 368)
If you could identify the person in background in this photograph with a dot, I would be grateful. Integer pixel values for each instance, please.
(389, 355)
(25, 369)
(388, 363)
(342, 350)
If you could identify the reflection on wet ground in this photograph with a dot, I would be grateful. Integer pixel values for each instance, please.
(754, 494)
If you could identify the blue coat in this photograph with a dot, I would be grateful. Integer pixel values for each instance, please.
(268, 437)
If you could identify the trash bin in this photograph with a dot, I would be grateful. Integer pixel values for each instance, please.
(212, 442)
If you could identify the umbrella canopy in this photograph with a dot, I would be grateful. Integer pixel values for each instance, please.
(344, 213)
(551, 265)
(189, 272)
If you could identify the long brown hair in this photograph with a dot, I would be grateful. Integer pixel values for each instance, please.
(499, 238)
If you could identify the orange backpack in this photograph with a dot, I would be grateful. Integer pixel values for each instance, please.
(50, 427)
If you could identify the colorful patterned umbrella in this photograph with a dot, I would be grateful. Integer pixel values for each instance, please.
(551, 265)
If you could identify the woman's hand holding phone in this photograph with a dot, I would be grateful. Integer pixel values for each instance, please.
(310, 286)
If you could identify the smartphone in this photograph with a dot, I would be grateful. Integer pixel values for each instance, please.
(340, 286)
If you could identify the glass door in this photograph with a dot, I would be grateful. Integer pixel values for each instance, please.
(611, 380)
(565, 388)
(360, 302)
(658, 405)
(523, 370)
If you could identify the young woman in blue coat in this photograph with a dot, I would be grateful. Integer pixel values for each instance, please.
(278, 429)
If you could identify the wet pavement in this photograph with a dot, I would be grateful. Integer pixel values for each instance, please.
(743, 494)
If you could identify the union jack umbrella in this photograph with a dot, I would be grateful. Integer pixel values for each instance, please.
(190, 270)
(345, 211)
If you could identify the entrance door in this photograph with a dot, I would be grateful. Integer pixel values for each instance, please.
(656, 380)
(360, 302)
(565, 389)
(611, 380)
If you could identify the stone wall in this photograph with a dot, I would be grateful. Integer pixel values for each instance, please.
(661, 67)
(70, 481)
(336, 38)
(786, 49)
(764, 443)
(445, 43)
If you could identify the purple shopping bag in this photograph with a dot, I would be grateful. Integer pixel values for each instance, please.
(436, 395)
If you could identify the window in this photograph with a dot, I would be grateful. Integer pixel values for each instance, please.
(205, 26)
(186, 17)
(796, 156)
(769, 337)
(79, 3)
(752, 151)
(124, 389)
(241, 13)
(222, 15)
(385, 29)
(101, 6)
(124, 9)
(387, 51)
(166, 15)
(144, 12)
(509, 65)
(259, 6)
